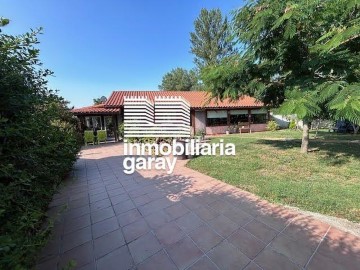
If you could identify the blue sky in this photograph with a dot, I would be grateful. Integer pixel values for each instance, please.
(95, 47)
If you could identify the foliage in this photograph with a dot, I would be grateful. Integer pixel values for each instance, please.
(89, 136)
(38, 145)
(101, 136)
(302, 57)
(180, 79)
(121, 130)
(272, 126)
(200, 132)
(211, 41)
(100, 100)
(292, 124)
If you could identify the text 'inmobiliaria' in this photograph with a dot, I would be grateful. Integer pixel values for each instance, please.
(163, 156)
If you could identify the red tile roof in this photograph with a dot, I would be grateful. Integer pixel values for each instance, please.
(197, 99)
(96, 109)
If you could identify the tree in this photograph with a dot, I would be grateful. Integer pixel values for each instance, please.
(302, 58)
(100, 100)
(180, 79)
(38, 146)
(211, 41)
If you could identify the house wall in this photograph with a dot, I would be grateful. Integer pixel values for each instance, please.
(200, 120)
(222, 129)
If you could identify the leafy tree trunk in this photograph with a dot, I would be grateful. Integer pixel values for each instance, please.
(356, 128)
(305, 137)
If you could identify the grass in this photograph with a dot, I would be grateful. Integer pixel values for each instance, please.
(270, 165)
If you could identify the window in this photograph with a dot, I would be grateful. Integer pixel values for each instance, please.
(259, 116)
(216, 118)
(238, 116)
(93, 121)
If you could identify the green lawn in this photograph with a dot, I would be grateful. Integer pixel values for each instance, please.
(269, 164)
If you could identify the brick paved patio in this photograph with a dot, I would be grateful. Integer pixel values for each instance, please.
(151, 220)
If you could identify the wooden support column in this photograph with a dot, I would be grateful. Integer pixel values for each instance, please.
(249, 117)
(116, 132)
(192, 115)
(102, 122)
(228, 117)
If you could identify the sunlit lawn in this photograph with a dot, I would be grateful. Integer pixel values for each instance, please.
(269, 164)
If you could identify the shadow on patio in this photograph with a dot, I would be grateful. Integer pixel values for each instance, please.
(151, 220)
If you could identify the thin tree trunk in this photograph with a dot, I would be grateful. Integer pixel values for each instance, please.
(356, 128)
(305, 137)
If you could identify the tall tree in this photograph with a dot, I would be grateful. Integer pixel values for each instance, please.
(180, 79)
(100, 100)
(301, 57)
(211, 41)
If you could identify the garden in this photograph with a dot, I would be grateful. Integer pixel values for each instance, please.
(269, 164)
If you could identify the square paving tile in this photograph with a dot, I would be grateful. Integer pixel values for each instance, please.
(135, 230)
(169, 234)
(177, 210)
(184, 253)
(205, 238)
(119, 198)
(100, 205)
(119, 259)
(226, 256)
(157, 219)
(206, 213)
(76, 238)
(238, 216)
(128, 217)
(141, 200)
(223, 225)
(108, 242)
(261, 231)
(336, 255)
(220, 206)
(103, 227)
(189, 222)
(252, 266)
(123, 207)
(48, 264)
(102, 214)
(81, 255)
(98, 197)
(203, 264)
(246, 243)
(144, 247)
(77, 223)
(158, 261)
(77, 212)
(268, 259)
(299, 251)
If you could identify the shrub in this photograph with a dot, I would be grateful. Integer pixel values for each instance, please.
(292, 124)
(101, 136)
(89, 136)
(121, 130)
(272, 126)
(39, 142)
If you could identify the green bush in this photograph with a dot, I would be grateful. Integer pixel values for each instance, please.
(121, 130)
(101, 136)
(292, 124)
(272, 126)
(39, 142)
(89, 137)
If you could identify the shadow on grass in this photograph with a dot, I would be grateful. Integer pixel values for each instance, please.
(336, 153)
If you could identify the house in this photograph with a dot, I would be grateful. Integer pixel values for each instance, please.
(214, 117)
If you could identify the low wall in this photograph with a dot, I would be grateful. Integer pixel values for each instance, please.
(216, 130)
(222, 129)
